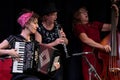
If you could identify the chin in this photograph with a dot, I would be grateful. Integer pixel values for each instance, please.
(33, 32)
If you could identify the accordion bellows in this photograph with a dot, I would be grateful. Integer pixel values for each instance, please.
(35, 57)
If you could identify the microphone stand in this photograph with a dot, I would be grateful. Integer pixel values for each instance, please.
(91, 69)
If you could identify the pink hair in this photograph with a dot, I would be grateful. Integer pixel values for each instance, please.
(24, 18)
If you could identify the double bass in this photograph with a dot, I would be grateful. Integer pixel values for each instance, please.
(111, 61)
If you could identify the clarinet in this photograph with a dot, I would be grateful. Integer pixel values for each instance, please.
(64, 45)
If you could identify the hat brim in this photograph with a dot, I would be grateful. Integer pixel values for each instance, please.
(48, 12)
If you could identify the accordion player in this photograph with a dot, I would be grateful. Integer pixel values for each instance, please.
(35, 57)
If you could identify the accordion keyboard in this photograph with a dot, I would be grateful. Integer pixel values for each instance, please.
(18, 65)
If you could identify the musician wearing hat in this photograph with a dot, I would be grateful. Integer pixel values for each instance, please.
(52, 33)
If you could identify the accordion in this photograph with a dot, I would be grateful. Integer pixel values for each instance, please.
(34, 56)
(47, 57)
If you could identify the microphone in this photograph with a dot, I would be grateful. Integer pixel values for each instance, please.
(78, 54)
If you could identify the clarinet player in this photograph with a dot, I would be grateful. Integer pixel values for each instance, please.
(52, 36)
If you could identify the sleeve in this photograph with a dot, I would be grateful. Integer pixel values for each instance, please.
(78, 29)
(10, 39)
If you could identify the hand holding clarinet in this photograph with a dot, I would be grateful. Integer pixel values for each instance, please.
(63, 39)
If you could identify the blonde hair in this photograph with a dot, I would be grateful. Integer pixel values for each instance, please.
(76, 14)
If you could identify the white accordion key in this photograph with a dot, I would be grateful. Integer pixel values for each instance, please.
(18, 65)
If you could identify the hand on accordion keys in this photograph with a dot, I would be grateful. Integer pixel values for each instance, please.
(14, 55)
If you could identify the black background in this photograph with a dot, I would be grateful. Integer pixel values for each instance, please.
(98, 10)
